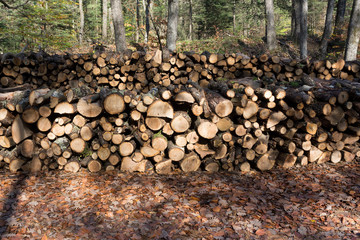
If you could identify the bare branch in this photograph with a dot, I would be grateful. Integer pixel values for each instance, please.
(13, 7)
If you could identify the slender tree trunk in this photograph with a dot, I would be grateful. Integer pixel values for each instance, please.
(328, 27)
(119, 27)
(303, 28)
(295, 31)
(270, 25)
(234, 17)
(104, 19)
(353, 36)
(190, 20)
(146, 4)
(137, 22)
(111, 23)
(340, 14)
(173, 11)
(81, 11)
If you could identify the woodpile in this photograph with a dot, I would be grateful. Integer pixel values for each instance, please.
(161, 112)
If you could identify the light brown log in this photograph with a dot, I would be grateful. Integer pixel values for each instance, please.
(94, 166)
(77, 145)
(103, 153)
(128, 165)
(180, 140)
(30, 115)
(15, 165)
(79, 121)
(206, 129)
(181, 122)
(19, 130)
(114, 159)
(175, 152)
(6, 118)
(314, 154)
(164, 167)
(267, 161)
(325, 157)
(249, 141)
(221, 151)
(72, 166)
(6, 142)
(86, 133)
(286, 160)
(184, 97)
(218, 104)
(190, 163)
(114, 103)
(65, 108)
(27, 148)
(160, 109)
(275, 118)
(203, 150)
(148, 151)
(89, 110)
(127, 148)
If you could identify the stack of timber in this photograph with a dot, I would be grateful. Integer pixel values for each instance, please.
(145, 112)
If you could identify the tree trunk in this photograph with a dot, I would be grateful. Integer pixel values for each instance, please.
(270, 25)
(147, 19)
(340, 14)
(104, 19)
(295, 31)
(81, 11)
(173, 10)
(303, 29)
(352, 41)
(328, 27)
(137, 21)
(119, 27)
(190, 20)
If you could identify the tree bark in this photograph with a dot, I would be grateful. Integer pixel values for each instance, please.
(352, 41)
(270, 25)
(295, 25)
(173, 11)
(81, 11)
(303, 29)
(190, 20)
(137, 21)
(104, 19)
(147, 19)
(118, 19)
(328, 27)
(340, 14)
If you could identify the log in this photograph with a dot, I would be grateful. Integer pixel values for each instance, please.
(190, 163)
(206, 129)
(114, 103)
(175, 152)
(19, 130)
(78, 145)
(164, 167)
(94, 166)
(218, 104)
(180, 122)
(160, 109)
(27, 148)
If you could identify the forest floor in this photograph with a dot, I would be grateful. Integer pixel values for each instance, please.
(312, 202)
(224, 43)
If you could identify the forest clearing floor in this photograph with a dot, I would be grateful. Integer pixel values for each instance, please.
(312, 202)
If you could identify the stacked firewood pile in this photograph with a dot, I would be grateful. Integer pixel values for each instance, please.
(146, 112)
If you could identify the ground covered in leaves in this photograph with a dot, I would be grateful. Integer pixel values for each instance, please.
(313, 202)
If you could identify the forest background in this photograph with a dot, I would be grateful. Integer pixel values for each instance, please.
(217, 26)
